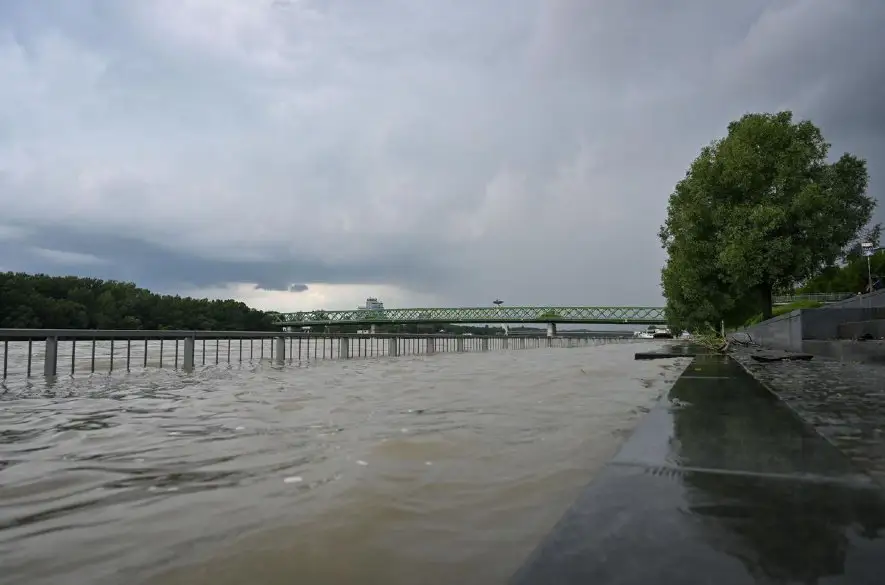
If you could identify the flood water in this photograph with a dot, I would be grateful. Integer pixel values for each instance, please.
(420, 469)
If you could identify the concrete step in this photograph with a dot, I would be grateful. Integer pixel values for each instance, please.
(874, 328)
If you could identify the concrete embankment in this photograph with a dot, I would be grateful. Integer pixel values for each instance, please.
(721, 483)
(850, 330)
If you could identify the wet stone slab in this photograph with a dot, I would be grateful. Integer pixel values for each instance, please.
(642, 526)
(844, 402)
(721, 483)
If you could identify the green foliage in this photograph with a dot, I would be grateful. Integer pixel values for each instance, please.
(710, 340)
(69, 302)
(852, 276)
(757, 212)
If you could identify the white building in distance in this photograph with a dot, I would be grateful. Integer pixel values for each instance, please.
(372, 304)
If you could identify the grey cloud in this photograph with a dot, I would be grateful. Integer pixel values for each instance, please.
(66, 257)
(462, 150)
(63, 251)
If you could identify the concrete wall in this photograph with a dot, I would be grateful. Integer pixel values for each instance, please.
(873, 299)
(789, 330)
(856, 329)
(781, 332)
(823, 323)
(826, 332)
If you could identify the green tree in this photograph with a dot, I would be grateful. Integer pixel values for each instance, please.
(758, 212)
(68, 302)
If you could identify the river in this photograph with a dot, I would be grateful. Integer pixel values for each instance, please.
(420, 469)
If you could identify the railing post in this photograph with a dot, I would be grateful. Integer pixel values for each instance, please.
(50, 359)
(505, 342)
(188, 357)
(280, 350)
(393, 347)
(485, 344)
(459, 344)
(431, 345)
(344, 348)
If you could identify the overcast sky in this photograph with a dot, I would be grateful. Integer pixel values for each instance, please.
(433, 152)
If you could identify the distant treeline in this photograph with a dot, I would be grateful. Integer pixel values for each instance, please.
(70, 302)
(40, 301)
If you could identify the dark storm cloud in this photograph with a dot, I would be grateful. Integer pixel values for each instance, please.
(452, 148)
(60, 251)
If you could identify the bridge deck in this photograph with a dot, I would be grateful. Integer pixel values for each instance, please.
(586, 315)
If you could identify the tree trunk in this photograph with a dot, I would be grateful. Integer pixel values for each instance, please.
(765, 299)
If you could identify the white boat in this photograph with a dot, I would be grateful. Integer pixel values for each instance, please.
(662, 333)
(644, 334)
(654, 332)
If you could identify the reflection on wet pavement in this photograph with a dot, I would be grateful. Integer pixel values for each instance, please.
(720, 483)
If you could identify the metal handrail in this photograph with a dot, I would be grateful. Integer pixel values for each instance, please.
(821, 297)
(45, 345)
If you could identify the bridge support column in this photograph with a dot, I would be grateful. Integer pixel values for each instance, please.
(344, 348)
(485, 344)
(459, 344)
(393, 347)
(551, 329)
(279, 350)
(50, 358)
(187, 363)
(373, 329)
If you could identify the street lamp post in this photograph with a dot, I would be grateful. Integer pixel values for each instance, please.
(868, 249)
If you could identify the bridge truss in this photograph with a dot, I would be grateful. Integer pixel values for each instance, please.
(589, 315)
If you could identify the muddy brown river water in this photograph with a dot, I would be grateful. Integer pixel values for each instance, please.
(425, 469)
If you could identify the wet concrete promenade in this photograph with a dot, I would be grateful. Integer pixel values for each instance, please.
(721, 483)
(843, 401)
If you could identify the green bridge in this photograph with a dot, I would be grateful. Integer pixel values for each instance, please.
(589, 315)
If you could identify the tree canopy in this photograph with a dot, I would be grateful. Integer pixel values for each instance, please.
(757, 212)
(70, 302)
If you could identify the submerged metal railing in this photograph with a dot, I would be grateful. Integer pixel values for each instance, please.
(77, 350)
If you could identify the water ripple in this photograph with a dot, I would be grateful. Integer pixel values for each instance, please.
(451, 466)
